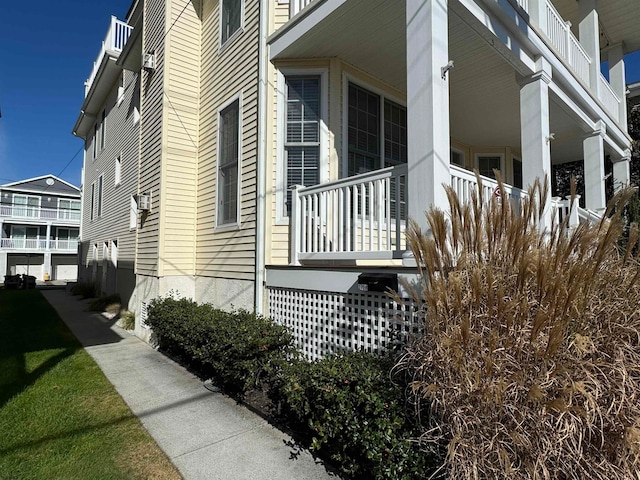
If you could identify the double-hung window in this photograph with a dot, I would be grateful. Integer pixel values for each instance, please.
(228, 159)
(93, 196)
(100, 182)
(231, 19)
(95, 141)
(302, 138)
(118, 170)
(103, 128)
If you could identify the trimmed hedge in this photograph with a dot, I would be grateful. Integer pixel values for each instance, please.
(354, 414)
(238, 347)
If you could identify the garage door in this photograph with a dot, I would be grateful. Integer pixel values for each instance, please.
(20, 264)
(64, 268)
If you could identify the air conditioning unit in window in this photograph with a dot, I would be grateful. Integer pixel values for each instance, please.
(144, 202)
(149, 61)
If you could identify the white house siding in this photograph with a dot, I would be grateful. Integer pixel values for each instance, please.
(227, 257)
(121, 140)
(180, 140)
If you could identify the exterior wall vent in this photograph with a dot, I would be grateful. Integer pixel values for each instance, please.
(144, 202)
(149, 61)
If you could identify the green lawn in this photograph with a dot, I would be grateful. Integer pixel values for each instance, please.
(59, 416)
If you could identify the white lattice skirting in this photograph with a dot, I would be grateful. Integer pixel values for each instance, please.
(327, 322)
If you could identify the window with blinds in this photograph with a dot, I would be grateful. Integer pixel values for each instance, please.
(231, 19)
(229, 140)
(302, 137)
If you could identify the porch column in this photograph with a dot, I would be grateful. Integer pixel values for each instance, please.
(593, 145)
(589, 34)
(47, 245)
(427, 106)
(534, 131)
(621, 173)
(618, 81)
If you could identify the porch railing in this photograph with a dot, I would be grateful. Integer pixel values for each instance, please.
(38, 244)
(360, 217)
(39, 213)
(114, 41)
(609, 98)
(296, 5)
(464, 182)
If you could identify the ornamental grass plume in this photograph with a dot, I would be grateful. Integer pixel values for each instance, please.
(529, 360)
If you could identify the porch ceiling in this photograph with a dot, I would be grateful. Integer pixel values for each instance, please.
(619, 21)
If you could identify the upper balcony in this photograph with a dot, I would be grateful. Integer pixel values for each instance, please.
(24, 213)
(104, 74)
(112, 46)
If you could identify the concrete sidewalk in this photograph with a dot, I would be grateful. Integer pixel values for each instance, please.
(206, 435)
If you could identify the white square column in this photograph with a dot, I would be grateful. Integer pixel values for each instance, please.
(427, 106)
(621, 173)
(589, 34)
(594, 188)
(618, 81)
(534, 131)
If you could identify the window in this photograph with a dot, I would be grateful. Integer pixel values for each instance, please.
(517, 173)
(228, 156)
(372, 143)
(68, 209)
(133, 212)
(93, 193)
(118, 171)
(231, 19)
(26, 206)
(99, 203)
(488, 163)
(302, 137)
(102, 128)
(457, 158)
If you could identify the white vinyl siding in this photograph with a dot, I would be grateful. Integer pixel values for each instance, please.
(302, 137)
(228, 172)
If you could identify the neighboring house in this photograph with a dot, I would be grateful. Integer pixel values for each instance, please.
(109, 124)
(373, 105)
(39, 225)
(634, 94)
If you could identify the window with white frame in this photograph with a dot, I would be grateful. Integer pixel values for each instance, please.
(231, 19)
(118, 170)
(95, 141)
(302, 133)
(487, 163)
(26, 205)
(228, 158)
(457, 157)
(377, 131)
(99, 202)
(68, 209)
(93, 196)
(121, 87)
(133, 212)
(114, 253)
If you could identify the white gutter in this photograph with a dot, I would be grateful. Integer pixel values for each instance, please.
(262, 156)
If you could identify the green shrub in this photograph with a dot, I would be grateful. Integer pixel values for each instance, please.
(128, 320)
(101, 304)
(354, 414)
(85, 289)
(238, 347)
(529, 359)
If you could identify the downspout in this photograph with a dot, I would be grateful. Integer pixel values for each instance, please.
(262, 155)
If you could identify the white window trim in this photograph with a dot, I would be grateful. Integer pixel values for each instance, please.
(222, 46)
(231, 225)
(100, 192)
(121, 89)
(117, 174)
(103, 129)
(348, 78)
(476, 160)
(133, 212)
(136, 115)
(281, 217)
(94, 145)
(114, 252)
(92, 202)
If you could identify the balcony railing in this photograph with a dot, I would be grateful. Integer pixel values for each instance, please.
(609, 99)
(39, 213)
(33, 244)
(296, 5)
(360, 217)
(113, 43)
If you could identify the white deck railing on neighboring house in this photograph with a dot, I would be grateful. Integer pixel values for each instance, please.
(34, 244)
(609, 99)
(359, 217)
(39, 213)
(296, 6)
(113, 43)
(464, 182)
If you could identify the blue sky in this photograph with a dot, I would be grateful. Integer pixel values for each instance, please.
(47, 49)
